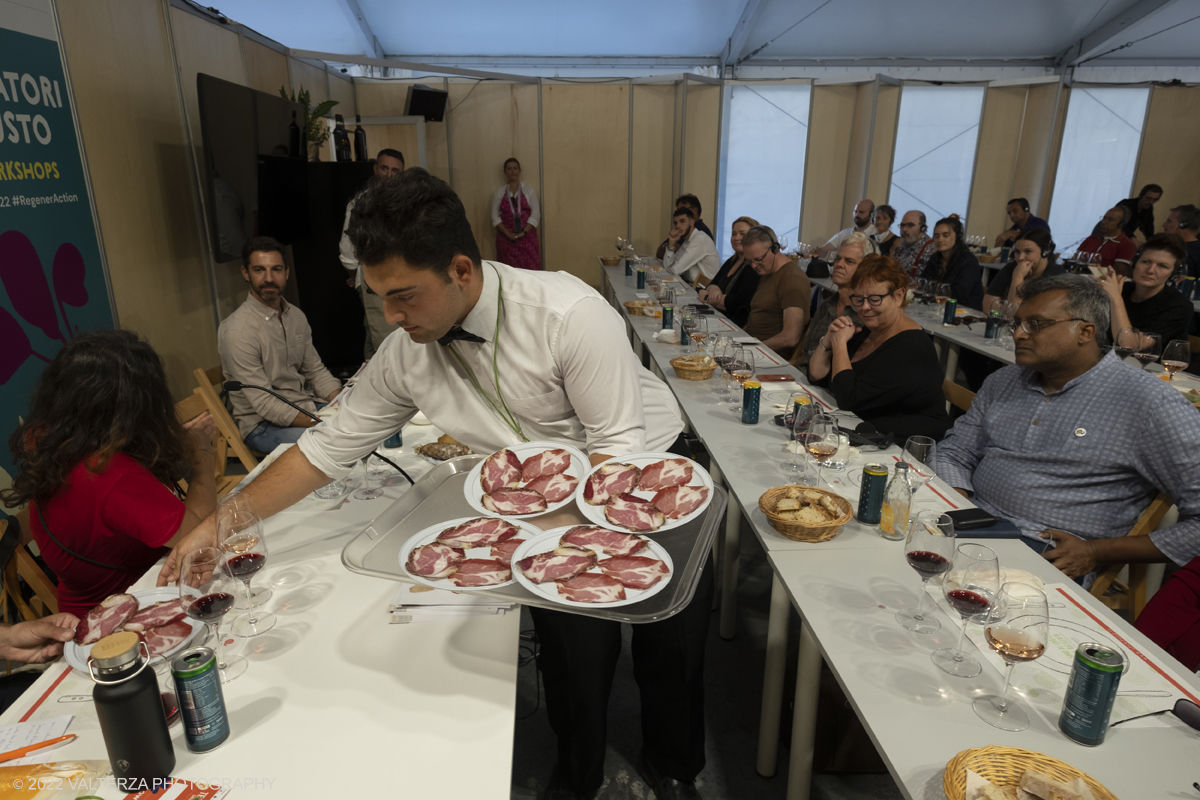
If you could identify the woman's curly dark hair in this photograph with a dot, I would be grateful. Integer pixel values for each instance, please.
(105, 392)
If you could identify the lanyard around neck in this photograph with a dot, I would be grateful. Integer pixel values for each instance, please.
(509, 418)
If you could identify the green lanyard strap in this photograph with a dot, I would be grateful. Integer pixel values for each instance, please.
(510, 419)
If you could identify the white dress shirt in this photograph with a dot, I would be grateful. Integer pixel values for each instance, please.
(501, 196)
(566, 370)
(839, 237)
(346, 252)
(695, 257)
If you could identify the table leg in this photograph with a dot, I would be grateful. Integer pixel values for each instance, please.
(951, 361)
(804, 717)
(772, 697)
(729, 568)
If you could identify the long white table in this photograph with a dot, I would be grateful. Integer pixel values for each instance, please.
(336, 700)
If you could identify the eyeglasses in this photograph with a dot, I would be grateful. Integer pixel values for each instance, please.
(875, 300)
(1036, 326)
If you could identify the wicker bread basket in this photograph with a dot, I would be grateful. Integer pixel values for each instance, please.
(636, 310)
(690, 371)
(610, 261)
(799, 531)
(1004, 766)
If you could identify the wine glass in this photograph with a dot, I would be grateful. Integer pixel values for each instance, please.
(783, 244)
(1126, 342)
(942, 294)
(235, 519)
(245, 546)
(970, 587)
(207, 592)
(1149, 348)
(821, 440)
(797, 457)
(928, 549)
(699, 331)
(720, 351)
(1176, 356)
(1018, 632)
(918, 453)
(621, 244)
(687, 323)
(371, 489)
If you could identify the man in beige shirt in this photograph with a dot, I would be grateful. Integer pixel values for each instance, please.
(780, 304)
(267, 342)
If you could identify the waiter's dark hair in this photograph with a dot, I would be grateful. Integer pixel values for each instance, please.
(414, 216)
(260, 244)
(691, 201)
(683, 211)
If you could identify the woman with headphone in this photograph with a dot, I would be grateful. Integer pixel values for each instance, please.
(954, 264)
(1033, 257)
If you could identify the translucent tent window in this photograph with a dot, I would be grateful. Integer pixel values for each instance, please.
(764, 167)
(1096, 165)
(934, 160)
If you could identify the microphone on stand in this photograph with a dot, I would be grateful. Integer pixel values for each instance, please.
(237, 386)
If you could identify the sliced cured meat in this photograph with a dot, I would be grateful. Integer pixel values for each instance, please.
(560, 564)
(155, 616)
(501, 470)
(165, 638)
(679, 501)
(478, 532)
(555, 487)
(635, 572)
(503, 552)
(602, 541)
(633, 513)
(665, 474)
(609, 480)
(547, 462)
(481, 572)
(105, 618)
(591, 588)
(434, 560)
(514, 501)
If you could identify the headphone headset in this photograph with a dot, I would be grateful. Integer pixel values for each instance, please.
(774, 243)
(924, 225)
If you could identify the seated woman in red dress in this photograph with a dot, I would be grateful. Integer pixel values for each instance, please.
(100, 454)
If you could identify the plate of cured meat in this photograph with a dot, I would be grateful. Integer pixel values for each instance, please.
(156, 615)
(526, 479)
(589, 566)
(645, 492)
(466, 553)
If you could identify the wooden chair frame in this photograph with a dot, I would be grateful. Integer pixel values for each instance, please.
(1132, 597)
(957, 396)
(23, 566)
(192, 407)
(225, 423)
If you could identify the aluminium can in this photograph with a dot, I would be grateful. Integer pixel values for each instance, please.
(870, 494)
(668, 321)
(394, 441)
(948, 316)
(201, 701)
(1091, 691)
(641, 279)
(629, 268)
(992, 326)
(751, 395)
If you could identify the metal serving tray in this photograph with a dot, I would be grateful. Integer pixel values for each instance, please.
(439, 496)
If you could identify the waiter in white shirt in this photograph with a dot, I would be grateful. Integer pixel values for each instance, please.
(690, 253)
(495, 356)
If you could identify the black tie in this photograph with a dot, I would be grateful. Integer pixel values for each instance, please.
(456, 334)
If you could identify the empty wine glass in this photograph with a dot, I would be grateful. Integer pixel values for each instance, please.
(928, 548)
(797, 461)
(918, 453)
(1126, 342)
(687, 323)
(1176, 356)
(1018, 632)
(970, 588)
(736, 355)
(371, 489)
(245, 546)
(207, 592)
(1149, 348)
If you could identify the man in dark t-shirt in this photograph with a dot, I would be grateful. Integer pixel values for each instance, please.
(1141, 211)
(1184, 222)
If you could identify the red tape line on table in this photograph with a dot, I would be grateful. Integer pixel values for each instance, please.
(1131, 648)
(933, 489)
(42, 699)
(767, 357)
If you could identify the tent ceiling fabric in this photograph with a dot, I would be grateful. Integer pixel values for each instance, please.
(874, 31)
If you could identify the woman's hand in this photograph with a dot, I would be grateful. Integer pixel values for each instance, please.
(201, 431)
(1022, 270)
(841, 330)
(712, 295)
(1111, 283)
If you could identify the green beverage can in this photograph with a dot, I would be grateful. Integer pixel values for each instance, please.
(870, 494)
(948, 316)
(1091, 692)
(201, 701)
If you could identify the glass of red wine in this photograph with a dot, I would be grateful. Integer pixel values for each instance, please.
(928, 549)
(236, 513)
(245, 547)
(970, 587)
(207, 593)
(1018, 632)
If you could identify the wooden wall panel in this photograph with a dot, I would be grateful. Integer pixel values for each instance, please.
(1037, 128)
(129, 115)
(883, 145)
(343, 92)
(700, 152)
(306, 76)
(995, 160)
(856, 164)
(586, 151)
(266, 69)
(1053, 148)
(380, 98)
(826, 165)
(1170, 156)
(397, 137)
(653, 153)
(677, 139)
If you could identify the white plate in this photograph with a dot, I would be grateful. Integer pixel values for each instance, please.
(700, 477)
(429, 534)
(548, 540)
(77, 655)
(473, 489)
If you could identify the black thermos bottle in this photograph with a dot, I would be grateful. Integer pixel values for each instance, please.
(129, 705)
(360, 140)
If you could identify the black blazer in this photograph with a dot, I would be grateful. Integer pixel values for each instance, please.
(964, 274)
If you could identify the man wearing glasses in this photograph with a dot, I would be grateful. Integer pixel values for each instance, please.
(781, 301)
(915, 247)
(1071, 443)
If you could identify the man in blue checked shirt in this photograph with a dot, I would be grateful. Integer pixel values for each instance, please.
(1071, 443)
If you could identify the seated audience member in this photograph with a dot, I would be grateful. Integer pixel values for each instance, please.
(882, 220)
(781, 301)
(1022, 220)
(1184, 221)
(267, 342)
(100, 456)
(1172, 617)
(692, 202)
(954, 264)
(1149, 302)
(915, 247)
(1033, 257)
(730, 291)
(1141, 211)
(849, 256)
(862, 224)
(1071, 444)
(1115, 248)
(691, 254)
(886, 370)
